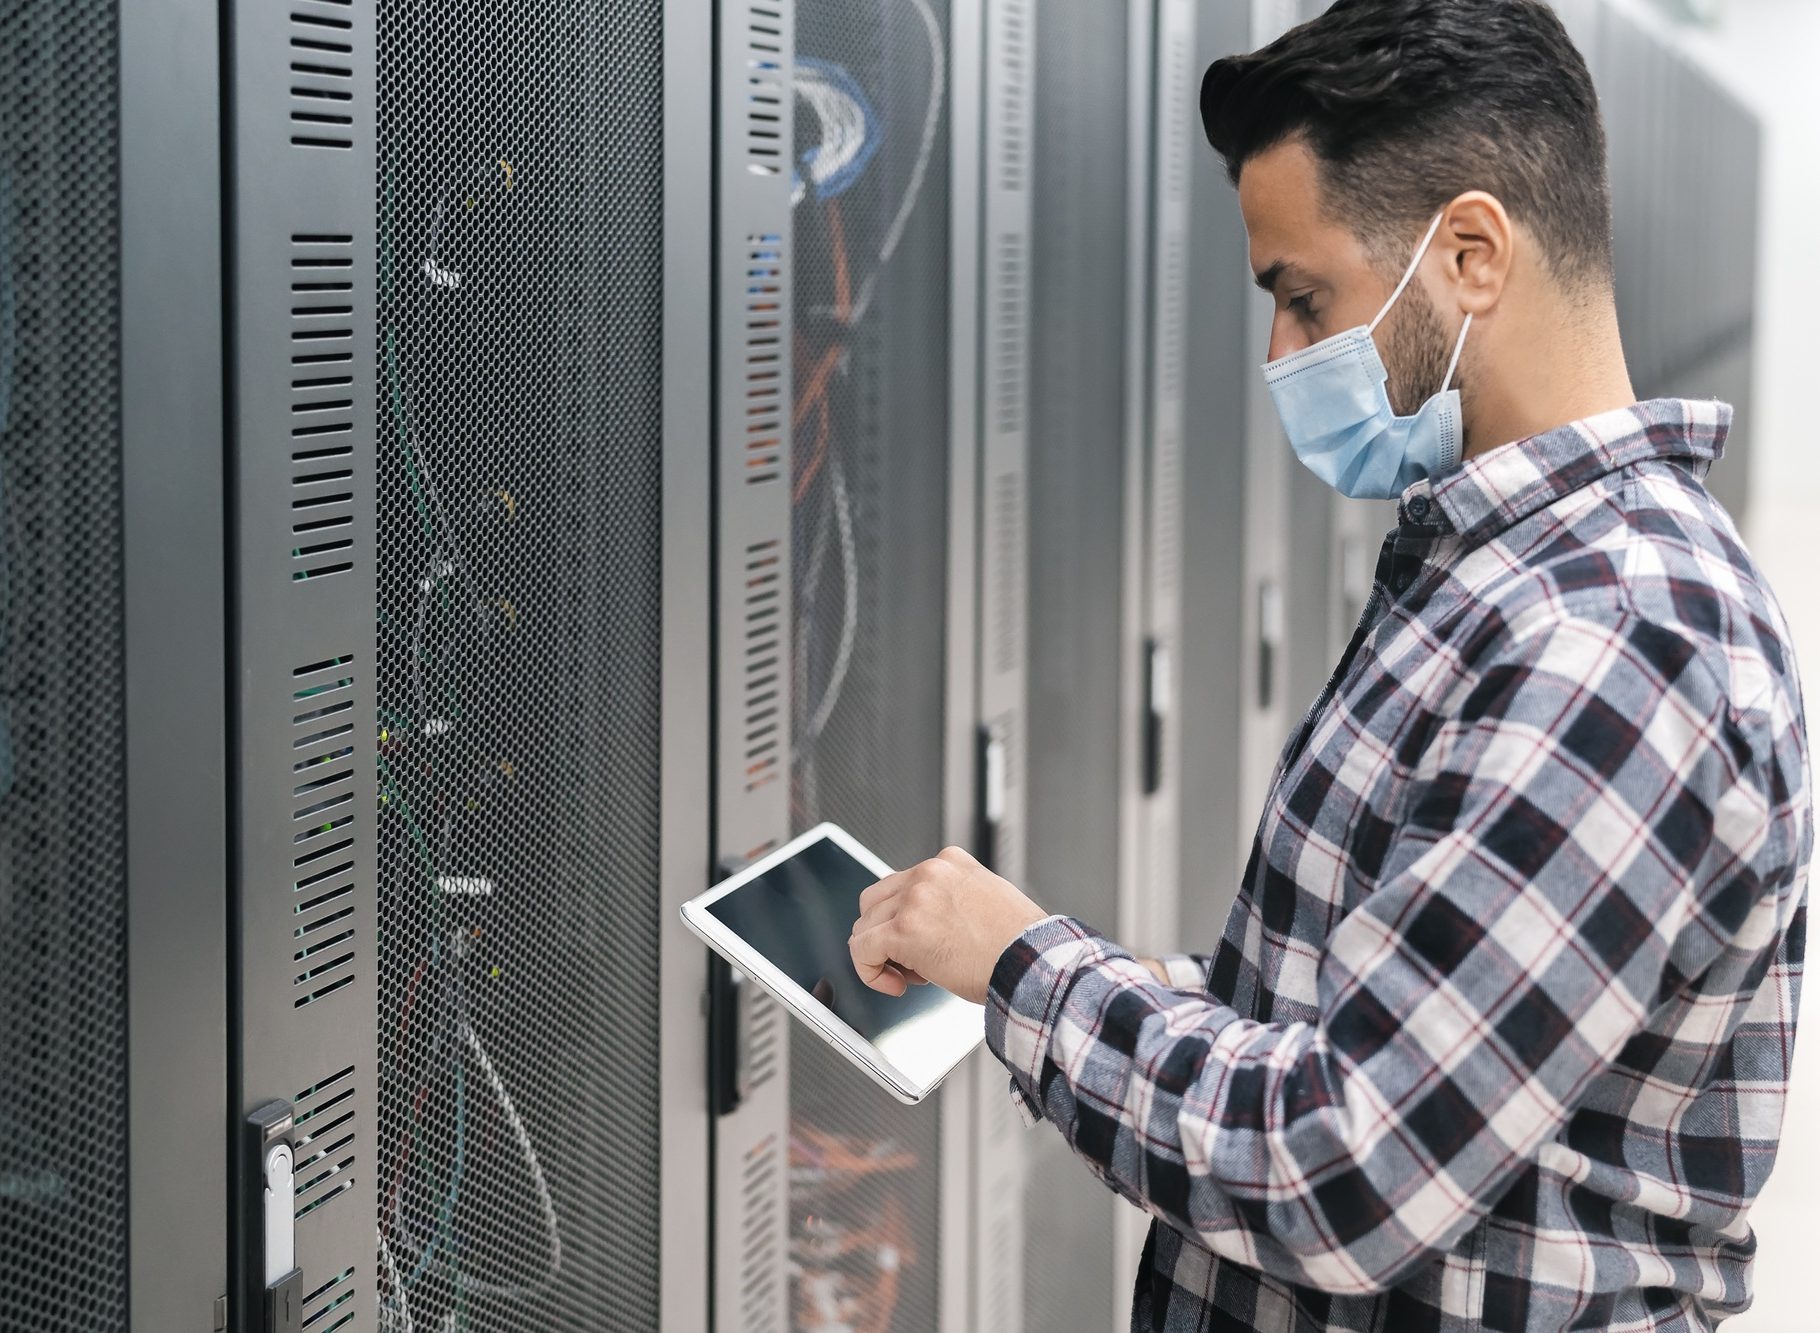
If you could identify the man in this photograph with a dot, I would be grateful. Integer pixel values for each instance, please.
(1499, 1033)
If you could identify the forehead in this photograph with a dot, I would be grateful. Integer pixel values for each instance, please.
(1286, 217)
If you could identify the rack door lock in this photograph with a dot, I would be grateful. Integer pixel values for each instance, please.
(994, 778)
(1159, 701)
(274, 1280)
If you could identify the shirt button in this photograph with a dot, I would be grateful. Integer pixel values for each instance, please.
(1402, 582)
(1418, 508)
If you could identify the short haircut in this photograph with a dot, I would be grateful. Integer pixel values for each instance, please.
(1406, 104)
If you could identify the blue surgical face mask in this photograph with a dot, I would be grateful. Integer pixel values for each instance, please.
(1337, 413)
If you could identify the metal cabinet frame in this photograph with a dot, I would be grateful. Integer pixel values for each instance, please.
(177, 948)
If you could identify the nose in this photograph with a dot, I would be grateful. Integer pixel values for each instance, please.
(1286, 336)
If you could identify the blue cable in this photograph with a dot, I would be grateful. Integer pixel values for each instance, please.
(445, 1215)
(844, 179)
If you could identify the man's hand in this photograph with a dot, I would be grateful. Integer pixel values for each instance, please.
(946, 921)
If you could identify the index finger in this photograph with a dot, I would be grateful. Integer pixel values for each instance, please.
(882, 892)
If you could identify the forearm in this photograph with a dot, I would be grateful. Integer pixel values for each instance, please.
(1219, 1126)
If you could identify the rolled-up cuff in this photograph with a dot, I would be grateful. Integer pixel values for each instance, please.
(1029, 986)
(1186, 971)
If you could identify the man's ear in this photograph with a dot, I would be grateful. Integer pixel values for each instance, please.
(1478, 241)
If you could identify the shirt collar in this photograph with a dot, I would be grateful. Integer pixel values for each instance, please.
(1504, 486)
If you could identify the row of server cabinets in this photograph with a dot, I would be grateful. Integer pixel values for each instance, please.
(471, 476)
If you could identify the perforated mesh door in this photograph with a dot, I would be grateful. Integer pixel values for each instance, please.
(869, 544)
(520, 223)
(1077, 494)
(62, 798)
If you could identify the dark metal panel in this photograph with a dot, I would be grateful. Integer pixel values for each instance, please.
(301, 325)
(1079, 397)
(176, 689)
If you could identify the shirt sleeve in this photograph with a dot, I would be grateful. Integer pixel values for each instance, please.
(1187, 971)
(1578, 833)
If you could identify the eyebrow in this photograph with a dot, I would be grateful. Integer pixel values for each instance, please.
(1269, 277)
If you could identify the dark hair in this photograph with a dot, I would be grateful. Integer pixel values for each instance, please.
(1408, 103)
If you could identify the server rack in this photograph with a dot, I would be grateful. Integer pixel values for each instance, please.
(993, 1251)
(868, 511)
(1315, 600)
(1110, 160)
(1243, 548)
(1229, 553)
(468, 642)
(1088, 164)
(112, 895)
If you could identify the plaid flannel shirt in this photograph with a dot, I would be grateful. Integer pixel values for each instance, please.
(1499, 1033)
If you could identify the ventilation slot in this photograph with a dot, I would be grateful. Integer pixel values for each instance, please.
(322, 75)
(1005, 832)
(331, 1306)
(323, 799)
(765, 392)
(762, 1241)
(766, 1043)
(323, 392)
(1014, 128)
(1009, 376)
(1007, 538)
(1174, 146)
(763, 667)
(325, 1165)
(767, 89)
(1172, 340)
(1169, 514)
(1174, 316)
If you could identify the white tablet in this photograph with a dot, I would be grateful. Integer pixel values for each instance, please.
(785, 920)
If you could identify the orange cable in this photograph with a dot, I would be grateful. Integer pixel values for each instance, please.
(823, 430)
(843, 290)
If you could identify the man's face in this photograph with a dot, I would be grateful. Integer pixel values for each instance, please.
(1324, 281)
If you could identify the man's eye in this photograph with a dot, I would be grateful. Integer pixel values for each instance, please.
(1303, 305)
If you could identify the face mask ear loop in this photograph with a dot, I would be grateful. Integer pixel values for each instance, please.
(1408, 273)
(1458, 347)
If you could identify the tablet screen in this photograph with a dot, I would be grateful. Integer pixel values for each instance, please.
(799, 916)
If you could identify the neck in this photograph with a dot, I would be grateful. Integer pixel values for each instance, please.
(1559, 371)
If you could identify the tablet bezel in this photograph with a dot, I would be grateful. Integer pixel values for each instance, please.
(741, 954)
